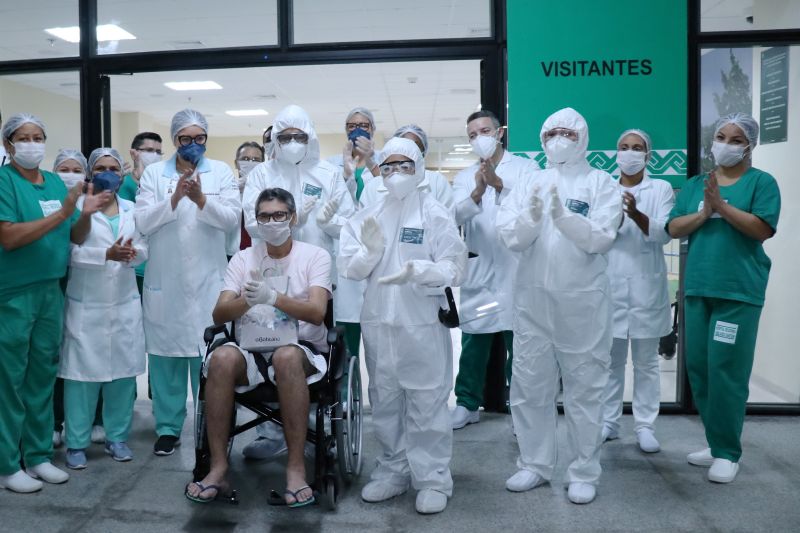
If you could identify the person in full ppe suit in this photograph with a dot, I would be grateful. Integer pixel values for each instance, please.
(563, 223)
(486, 294)
(408, 249)
(640, 296)
(185, 206)
(323, 204)
(100, 352)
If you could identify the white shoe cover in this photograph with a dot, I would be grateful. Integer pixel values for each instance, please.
(461, 417)
(524, 480)
(20, 482)
(431, 501)
(609, 433)
(723, 471)
(581, 492)
(701, 458)
(647, 440)
(98, 435)
(58, 440)
(48, 472)
(379, 491)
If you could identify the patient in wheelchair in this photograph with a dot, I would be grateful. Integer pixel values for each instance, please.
(294, 278)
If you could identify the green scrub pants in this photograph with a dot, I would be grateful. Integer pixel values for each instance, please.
(475, 353)
(30, 337)
(58, 407)
(168, 383)
(80, 402)
(720, 346)
(352, 336)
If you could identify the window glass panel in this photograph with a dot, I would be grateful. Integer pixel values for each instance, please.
(742, 15)
(23, 25)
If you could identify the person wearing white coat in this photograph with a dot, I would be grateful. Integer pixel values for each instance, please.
(486, 295)
(185, 207)
(408, 249)
(640, 296)
(563, 223)
(103, 346)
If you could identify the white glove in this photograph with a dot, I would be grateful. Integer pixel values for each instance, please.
(398, 278)
(372, 236)
(556, 208)
(308, 206)
(536, 205)
(325, 214)
(257, 291)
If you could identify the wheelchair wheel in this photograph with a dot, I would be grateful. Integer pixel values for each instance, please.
(348, 423)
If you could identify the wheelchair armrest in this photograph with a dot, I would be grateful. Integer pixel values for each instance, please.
(213, 331)
(335, 334)
(338, 357)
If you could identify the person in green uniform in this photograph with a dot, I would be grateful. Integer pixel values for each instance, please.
(37, 220)
(727, 214)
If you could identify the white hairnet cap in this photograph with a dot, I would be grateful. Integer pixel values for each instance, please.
(406, 148)
(416, 130)
(648, 145)
(102, 152)
(361, 111)
(65, 154)
(17, 121)
(570, 119)
(745, 122)
(186, 118)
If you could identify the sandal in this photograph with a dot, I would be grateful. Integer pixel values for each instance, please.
(276, 499)
(227, 497)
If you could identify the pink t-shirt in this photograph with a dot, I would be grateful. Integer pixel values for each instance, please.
(306, 266)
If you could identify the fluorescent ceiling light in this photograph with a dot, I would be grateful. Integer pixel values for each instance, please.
(462, 146)
(463, 150)
(105, 32)
(247, 113)
(193, 85)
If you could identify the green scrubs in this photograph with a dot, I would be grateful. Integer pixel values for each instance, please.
(476, 349)
(724, 284)
(31, 314)
(80, 403)
(128, 191)
(168, 376)
(352, 330)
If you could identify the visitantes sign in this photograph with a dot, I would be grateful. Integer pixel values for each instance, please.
(620, 63)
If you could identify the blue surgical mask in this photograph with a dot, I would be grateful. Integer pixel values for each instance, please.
(192, 153)
(106, 181)
(356, 133)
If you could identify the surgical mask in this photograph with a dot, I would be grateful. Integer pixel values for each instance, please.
(148, 158)
(106, 181)
(400, 185)
(192, 153)
(484, 146)
(293, 152)
(727, 155)
(275, 233)
(560, 149)
(356, 133)
(630, 162)
(71, 179)
(28, 155)
(245, 167)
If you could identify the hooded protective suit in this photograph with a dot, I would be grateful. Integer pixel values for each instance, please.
(562, 301)
(408, 352)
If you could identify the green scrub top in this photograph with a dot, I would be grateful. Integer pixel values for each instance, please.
(359, 182)
(22, 201)
(114, 223)
(722, 261)
(128, 188)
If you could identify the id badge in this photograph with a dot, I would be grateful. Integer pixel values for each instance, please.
(312, 190)
(49, 206)
(412, 235)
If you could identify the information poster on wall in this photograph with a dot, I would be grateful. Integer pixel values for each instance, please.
(622, 64)
(774, 95)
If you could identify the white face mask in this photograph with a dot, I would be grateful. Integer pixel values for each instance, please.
(275, 233)
(70, 179)
(484, 146)
(28, 155)
(727, 155)
(560, 149)
(148, 158)
(400, 185)
(245, 167)
(630, 162)
(293, 152)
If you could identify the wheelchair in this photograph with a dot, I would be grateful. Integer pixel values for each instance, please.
(336, 436)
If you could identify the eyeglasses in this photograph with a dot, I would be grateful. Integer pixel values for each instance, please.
(405, 167)
(286, 138)
(561, 132)
(154, 150)
(186, 140)
(246, 158)
(277, 216)
(353, 125)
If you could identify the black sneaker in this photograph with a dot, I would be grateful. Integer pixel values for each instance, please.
(165, 445)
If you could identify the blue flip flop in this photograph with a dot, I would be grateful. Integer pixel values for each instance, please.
(277, 499)
(227, 497)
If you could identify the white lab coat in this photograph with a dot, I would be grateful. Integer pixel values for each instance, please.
(562, 321)
(103, 333)
(490, 275)
(187, 254)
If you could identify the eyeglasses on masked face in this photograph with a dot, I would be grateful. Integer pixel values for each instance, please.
(276, 216)
(561, 132)
(286, 138)
(404, 167)
(186, 140)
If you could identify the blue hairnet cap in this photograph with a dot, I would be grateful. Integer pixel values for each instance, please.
(648, 144)
(417, 131)
(186, 118)
(17, 121)
(745, 122)
(361, 111)
(65, 154)
(102, 152)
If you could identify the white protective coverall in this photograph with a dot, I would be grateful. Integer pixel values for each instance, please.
(408, 351)
(187, 254)
(562, 304)
(640, 299)
(434, 182)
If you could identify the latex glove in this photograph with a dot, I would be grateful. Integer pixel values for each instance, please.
(429, 274)
(372, 236)
(308, 205)
(257, 291)
(536, 205)
(398, 278)
(325, 214)
(556, 207)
